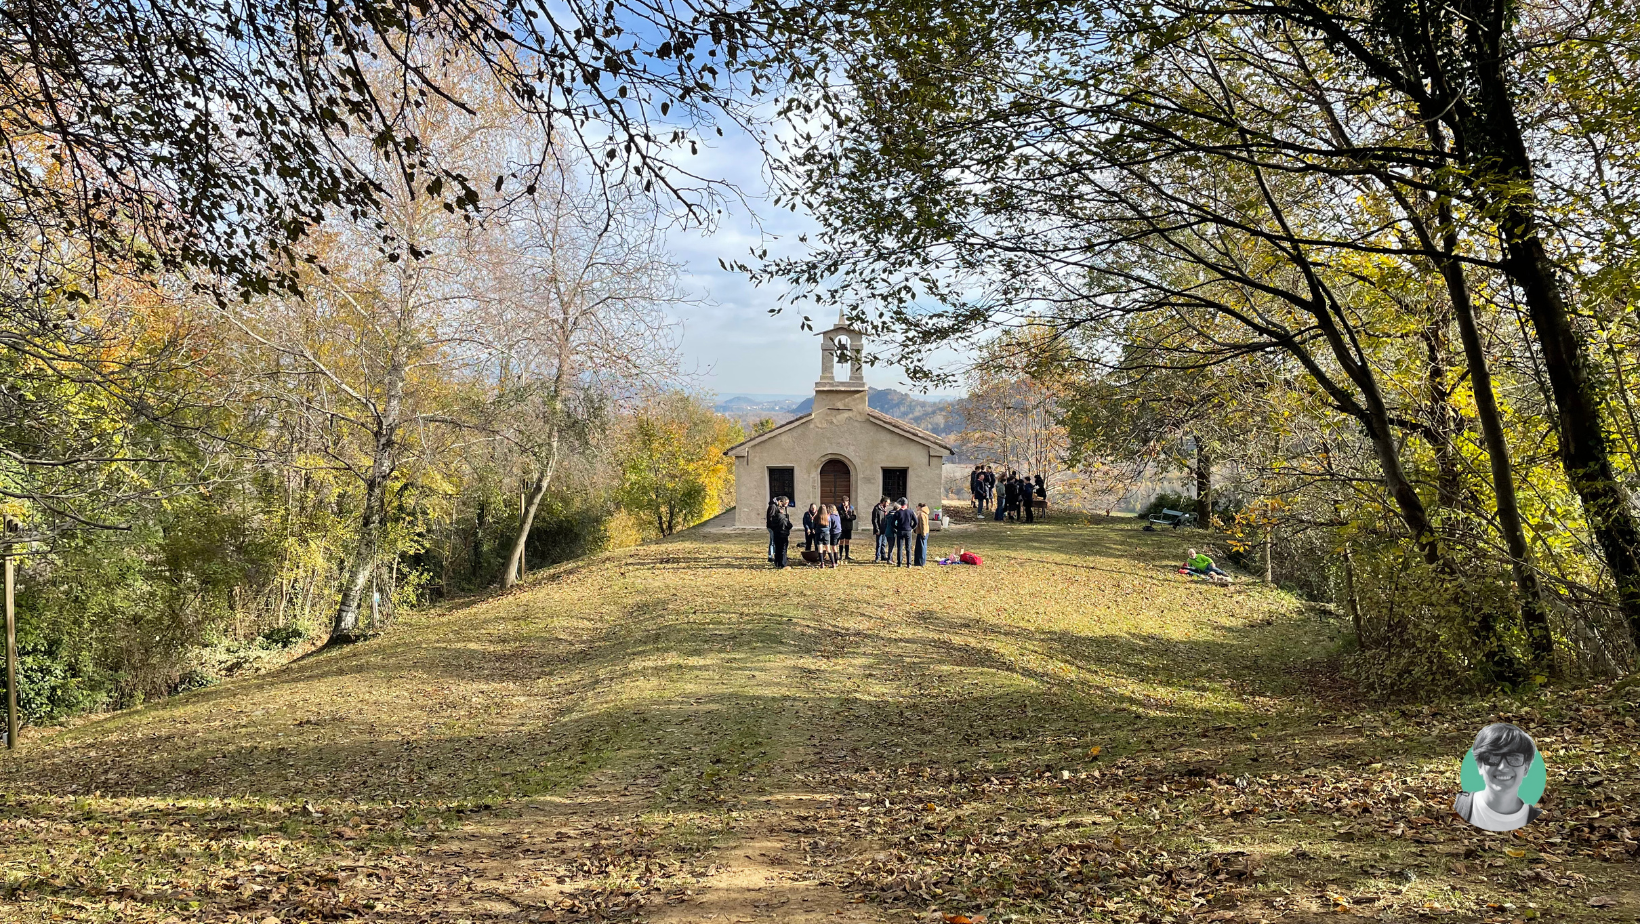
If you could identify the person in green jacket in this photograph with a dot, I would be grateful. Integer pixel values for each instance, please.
(1200, 563)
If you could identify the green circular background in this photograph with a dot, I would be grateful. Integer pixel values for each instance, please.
(1531, 788)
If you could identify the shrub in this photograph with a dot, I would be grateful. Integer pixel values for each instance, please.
(282, 636)
(1223, 507)
(48, 688)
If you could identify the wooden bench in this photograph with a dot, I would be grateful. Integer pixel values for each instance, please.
(1171, 518)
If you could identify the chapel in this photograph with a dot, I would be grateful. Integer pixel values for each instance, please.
(842, 447)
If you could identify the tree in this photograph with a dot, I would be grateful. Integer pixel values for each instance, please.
(192, 135)
(214, 147)
(580, 288)
(1136, 405)
(372, 351)
(1011, 412)
(673, 472)
(1238, 182)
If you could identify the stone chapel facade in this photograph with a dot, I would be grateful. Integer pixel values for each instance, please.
(840, 448)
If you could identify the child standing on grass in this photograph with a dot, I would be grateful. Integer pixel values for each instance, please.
(834, 532)
(845, 512)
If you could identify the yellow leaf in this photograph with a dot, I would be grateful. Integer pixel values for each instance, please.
(1514, 851)
(1094, 751)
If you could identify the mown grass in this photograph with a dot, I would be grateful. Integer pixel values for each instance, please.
(941, 724)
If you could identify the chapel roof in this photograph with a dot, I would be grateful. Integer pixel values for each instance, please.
(875, 416)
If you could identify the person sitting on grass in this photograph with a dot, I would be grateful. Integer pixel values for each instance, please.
(1201, 565)
(1503, 754)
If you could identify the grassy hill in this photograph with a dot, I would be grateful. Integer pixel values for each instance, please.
(676, 733)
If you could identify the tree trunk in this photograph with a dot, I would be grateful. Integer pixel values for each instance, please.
(1534, 616)
(1269, 546)
(1352, 602)
(1204, 485)
(1444, 418)
(1584, 452)
(1407, 501)
(515, 560)
(1497, 144)
(476, 554)
(363, 561)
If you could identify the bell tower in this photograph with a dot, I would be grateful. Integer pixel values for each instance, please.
(841, 392)
(842, 344)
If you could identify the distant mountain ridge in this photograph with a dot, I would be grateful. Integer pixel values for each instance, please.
(937, 417)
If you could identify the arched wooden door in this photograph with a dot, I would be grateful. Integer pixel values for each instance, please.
(834, 482)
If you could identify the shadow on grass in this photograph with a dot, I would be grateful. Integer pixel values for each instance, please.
(1028, 686)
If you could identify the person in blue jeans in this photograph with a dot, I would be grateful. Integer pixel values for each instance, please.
(879, 528)
(922, 535)
(905, 527)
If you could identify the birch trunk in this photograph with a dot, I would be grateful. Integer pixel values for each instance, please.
(362, 563)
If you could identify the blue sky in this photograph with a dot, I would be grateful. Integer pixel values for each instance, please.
(733, 346)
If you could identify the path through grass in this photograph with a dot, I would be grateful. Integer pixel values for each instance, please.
(676, 733)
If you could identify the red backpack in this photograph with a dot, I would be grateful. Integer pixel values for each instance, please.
(969, 558)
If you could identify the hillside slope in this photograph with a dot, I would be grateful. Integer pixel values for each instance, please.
(676, 733)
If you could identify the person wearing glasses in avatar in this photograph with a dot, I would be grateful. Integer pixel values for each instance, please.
(1503, 753)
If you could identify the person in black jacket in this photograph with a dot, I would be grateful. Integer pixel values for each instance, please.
(1027, 497)
(780, 527)
(811, 523)
(1010, 497)
(768, 516)
(879, 529)
(905, 526)
(845, 513)
(974, 480)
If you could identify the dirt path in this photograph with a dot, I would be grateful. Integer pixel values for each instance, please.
(650, 838)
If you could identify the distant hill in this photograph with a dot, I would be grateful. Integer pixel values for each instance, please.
(741, 403)
(935, 416)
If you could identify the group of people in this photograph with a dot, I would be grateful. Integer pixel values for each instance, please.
(901, 532)
(1005, 495)
(827, 529)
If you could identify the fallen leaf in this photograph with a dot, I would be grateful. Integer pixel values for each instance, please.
(1602, 901)
(1094, 751)
(1514, 851)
